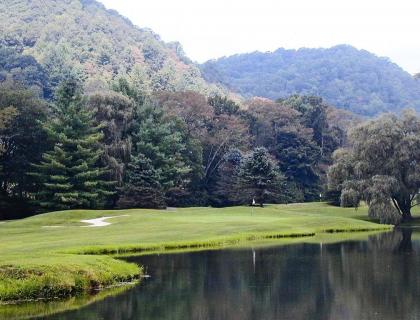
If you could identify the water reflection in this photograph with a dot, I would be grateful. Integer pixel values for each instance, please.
(42, 309)
(374, 279)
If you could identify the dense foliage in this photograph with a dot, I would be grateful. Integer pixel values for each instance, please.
(126, 148)
(18, 67)
(82, 39)
(70, 176)
(260, 177)
(381, 166)
(352, 79)
(22, 142)
(97, 113)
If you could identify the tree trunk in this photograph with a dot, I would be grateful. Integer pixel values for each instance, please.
(406, 216)
(404, 204)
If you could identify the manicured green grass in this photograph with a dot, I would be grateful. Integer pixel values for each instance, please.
(55, 255)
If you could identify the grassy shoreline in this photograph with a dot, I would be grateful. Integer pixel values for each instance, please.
(54, 255)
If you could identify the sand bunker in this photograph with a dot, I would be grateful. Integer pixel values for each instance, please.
(100, 222)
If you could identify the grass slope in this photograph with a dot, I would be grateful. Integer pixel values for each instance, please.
(54, 255)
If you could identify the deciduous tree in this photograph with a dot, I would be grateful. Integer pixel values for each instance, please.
(22, 141)
(382, 167)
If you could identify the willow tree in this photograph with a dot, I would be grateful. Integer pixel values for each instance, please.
(114, 112)
(381, 167)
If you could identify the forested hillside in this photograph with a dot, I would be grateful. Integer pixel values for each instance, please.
(97, 113)
(83, 39)
(345, 77)
(121, 148)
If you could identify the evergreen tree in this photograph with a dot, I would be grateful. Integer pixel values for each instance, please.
(70, 175)
(222, 105)
(158, 140)
(142, 190)
(260, 177)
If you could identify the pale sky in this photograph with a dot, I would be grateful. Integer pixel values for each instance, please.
(210, 29)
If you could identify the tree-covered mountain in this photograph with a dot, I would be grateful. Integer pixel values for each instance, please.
(84, 39)
(351, 79)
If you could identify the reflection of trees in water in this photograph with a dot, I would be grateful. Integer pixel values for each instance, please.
(397, 241)
(376, 279)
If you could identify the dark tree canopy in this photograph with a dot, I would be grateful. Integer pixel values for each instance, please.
(260, 178)
(281, 130)
(70, 175)
(123, 147)
(157, 138)
(223, 105)
(142, 189)
(24, 69)
(22, 142)
(227, 190)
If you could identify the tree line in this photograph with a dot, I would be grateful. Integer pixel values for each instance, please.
(123, 148)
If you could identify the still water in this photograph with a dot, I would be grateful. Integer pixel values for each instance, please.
(378, 278)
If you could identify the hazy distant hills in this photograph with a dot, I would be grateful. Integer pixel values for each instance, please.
(351, 79)
(81, 37)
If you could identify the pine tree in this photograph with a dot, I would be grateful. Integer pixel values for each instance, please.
(158, 139)
(260, 177)
(142, 190)
(71, 175)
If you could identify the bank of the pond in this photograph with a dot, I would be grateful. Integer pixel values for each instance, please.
(56, 255)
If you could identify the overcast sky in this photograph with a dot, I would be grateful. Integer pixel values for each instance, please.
(210, 29)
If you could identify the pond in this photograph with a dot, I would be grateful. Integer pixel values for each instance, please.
(377, 278)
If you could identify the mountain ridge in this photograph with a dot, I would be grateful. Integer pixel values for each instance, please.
(84, 38)
(349, 78)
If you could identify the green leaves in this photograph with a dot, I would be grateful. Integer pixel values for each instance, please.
(260, 177)
(71, 175)
(158, 140)
(381, 166)
(354, 80)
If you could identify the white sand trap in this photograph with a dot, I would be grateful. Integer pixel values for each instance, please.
(52, 227)
(100, 222)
